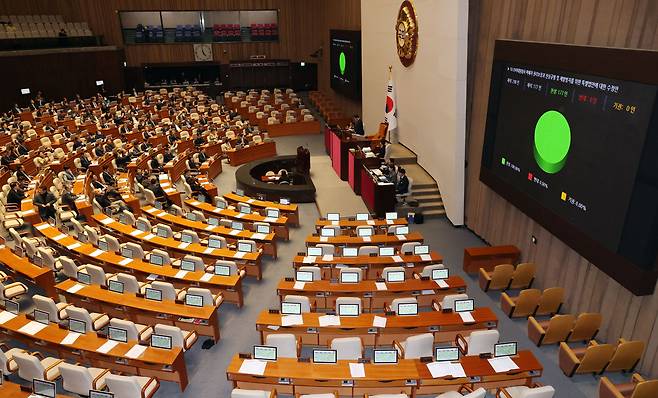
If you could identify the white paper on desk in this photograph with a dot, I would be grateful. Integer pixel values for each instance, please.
(152, 277)
(502, 364)
(97, 253)
(70, 338)
(253, 367)
(324, 239)
(151, 210)
(105, 348)
(274, 327)
(136, 232)
(169, 190)
(136, 351)
(370, 222)
(32, 328)
(42, 226)
(467, 317)
(250, 200)
(328, 257)
(442, 369)
(125, 261)
(180, 274)
(379, 322)
(366, 238)
(60, 237)
(269, 219)
(426, 257)
(291, 320)
(308, 259)
(183, 245)
(195, 202)
(239, 215)
(426, 292)
(149, 236)
(258, 236)
(239, 254)
(6, 316)
(401, 237)
(389, 222)
(357, 370)
(381, 286)
(335, 223)
(163, 177)
(206, 277)
(75, 288)
(299, 285)
(397, 259)
(329, 320)
(457, 370)
(234, 232)
(74, 246)
(107, 220)
(209, 227)
(442, 283)
(208, 250)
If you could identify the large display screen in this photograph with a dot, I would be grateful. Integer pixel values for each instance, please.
(345, 61)
(566, 144)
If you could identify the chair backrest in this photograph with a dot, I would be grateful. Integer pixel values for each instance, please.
(501, 276)
(427, 270)
(240, 393)
(558, 328)
(81, 314)
(162, 229)
(349, 300)
(136, 250)
(347, 348)
(351, 269)
(204, 293)
(526, 302)
(249, 242)
(219, 199)
(316, 271)
(123, 386)
(401, 300)
(92, 234)
(166, 260)
(327, 248)
(421, 345)
(29, 366)
(47, 258)
(176, 334)
(198, 262)
(538, 392)
(408, 247)
(46, 304)
(368, 250)
(96, 274)
(363, 228)
(586, 326)
(68, 267)
(646, 389)
(303, 300)
(112, 243)
(286, 344)
(167, 289)
(143, 224)
(448, 301)
(626, 356)
(130, 283)
(128, 326)
(76, 379)
(479, 393)
(191, 234)
(550, 302)
(482, 341)
(127, 217)
(596, 358)
(222, 240)
(386, 270)
(523, 276)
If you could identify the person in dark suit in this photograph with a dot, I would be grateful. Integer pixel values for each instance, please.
(21, 175)
(85, 161)
(357, 124)
(107, 177)
(68, 175)
(45, 202)
(403, 183)
(15, 194)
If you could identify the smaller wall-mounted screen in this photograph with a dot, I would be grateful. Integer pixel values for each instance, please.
(345, 61)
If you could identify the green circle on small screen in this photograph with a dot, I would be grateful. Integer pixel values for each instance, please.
(342, 63)
(552, 141)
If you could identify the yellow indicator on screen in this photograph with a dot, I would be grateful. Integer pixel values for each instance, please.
(563, 196)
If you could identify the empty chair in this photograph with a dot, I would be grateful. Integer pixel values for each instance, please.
(79, 379)
(327, 248)
(127, 218)
(130, 283)
(240, 393)
(7, 364)
(359, 271)
(550, 302)
(368, 250)
(189, 236)
(69, 267)
(97, 274)
(166, 260)
(134, 331)
(92, 235)
(12, 290)
(367, 230)
(143, 224)
(427, 270)
(48, 260)
(207, 296)
(387, 270)
(415, 347)
(499, 279)
(347, 348)
(586, 327)
(169, 293)
(249, 242)
(349, 300)
(132, 386)
(93, 321)
(626, 356)
(336, 229)
(56, 311)
(314, 270)
(448, 302)
(402, 300)
(196, 261)
(523, 305)
(164, 231)
(132, 250)
(479, 342)
(408, 247)
(591, 359)
(526, 392)
(637, 388)
(287, 345)
(179, 338)
(217, 240)
(523, 276)
(554, 331)
(470, 393)
(303, 300)
(36, 366)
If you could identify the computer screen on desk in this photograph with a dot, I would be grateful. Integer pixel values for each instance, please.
(237, 225)
(402, 230)
(43, 388)
(100, 394)
(348, 310)
(161, 341)
(194, 300)
(387, 251)
(213, 221)
(505, 349)
(440, 273)
(365, 232)
(142, 226)
(83, 277)
(265, 353)
(115, 286)
(395, 276)
(186, 238)
(263, 229)
(290, 308)
(385, 356)
(162, 232)
(223, 270)
(41, 317)
(349, 277)
(446, 354)
(77, 326)
(408, 309)
(284, 201)
(117, 334)
(304, 276)
(244, 209)
(324, 356)
(362, 216)
(12, 306)
(244, 247)
(333, 216)
(350, 251)
(156, 259)
(464, 305)
(314, 251)
(328, 232)
(392, 216)
(272, 213)
(153, 294)
(187, 265)
(102, 244)
(421, 249)
(127, 252)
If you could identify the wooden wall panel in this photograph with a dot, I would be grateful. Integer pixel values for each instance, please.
(616, 23)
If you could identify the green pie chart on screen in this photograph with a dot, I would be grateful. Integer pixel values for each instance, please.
(342, 62)
(552, 141)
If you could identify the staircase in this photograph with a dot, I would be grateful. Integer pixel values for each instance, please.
(424, 189)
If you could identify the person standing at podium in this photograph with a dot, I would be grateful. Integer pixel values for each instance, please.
(357, 126)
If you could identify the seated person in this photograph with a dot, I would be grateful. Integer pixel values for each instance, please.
(21, 175)
(68, 175)
(68, 198)
(402, 187)
(122, 159)
(197, 188)
(15, 194)
(155, 164)
(45, 202)
(96, 183)
(199, 140)
(109, 200)
(107, 177)
(85, 161)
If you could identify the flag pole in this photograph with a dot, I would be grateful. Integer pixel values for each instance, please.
(390, 76)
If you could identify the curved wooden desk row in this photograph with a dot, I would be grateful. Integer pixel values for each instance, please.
(150, 241)
(444, 326)
(253, 152)
(278, 224)
(204, 320)
(179, 223)
(372, 266)
(229, 286)
(379, 239)
(166, 365)
(9, 389)
(21, 266)
(291, 211)
(409, 376)
(351, 223)
(374, 295)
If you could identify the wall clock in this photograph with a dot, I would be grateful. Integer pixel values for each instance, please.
(406, 33)
(203, 52)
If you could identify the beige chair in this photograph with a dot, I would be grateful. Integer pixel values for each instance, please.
(134, 331)
(303, 300)
(56, 311)
(208, 297)
(132, 386)
(499, 279)
(36, 366)
(79, 379)
(626, 357)
(553, 331)
(522, 305)
(550, 302)
(169, 293)
(535, 391)
(347, 348)
(523, 276)
(240, 393)
(586, 327)
(478, 342)
(464, 389)
(7, 364)
(591, 359)
(93, 321)
(637, 388)
(415, 347)
(12, 290)
(287, 345)
(179, 338)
